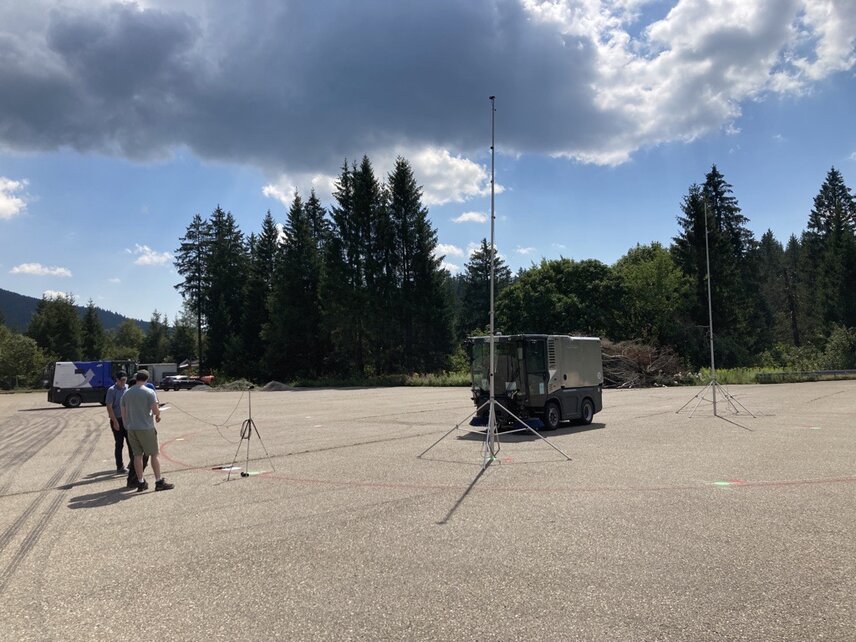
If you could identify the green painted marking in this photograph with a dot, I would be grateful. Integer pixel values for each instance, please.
(722, 483)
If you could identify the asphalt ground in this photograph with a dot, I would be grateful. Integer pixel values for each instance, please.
(660, 527)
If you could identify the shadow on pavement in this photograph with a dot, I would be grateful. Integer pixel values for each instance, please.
(103, 498)
(525, 435)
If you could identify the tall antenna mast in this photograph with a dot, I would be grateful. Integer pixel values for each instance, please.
(491, 424)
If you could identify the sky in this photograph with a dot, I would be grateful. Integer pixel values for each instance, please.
(121, 120)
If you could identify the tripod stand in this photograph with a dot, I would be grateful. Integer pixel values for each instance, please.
(490, 448)
(247, 430)
(713, 386)
(491, 445)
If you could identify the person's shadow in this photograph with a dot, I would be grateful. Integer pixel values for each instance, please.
(102, 498)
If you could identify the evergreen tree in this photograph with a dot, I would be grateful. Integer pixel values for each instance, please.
(831, 250)
(295, 321)
(55, 327)
(343, 281)
(792, 282)
(262, 261)
(182, 344)
(422, 330)
(93, 333)
(226, 272)
(737, 318)
(124, 342)
(191, 260)
(474, 313)
(155, 346)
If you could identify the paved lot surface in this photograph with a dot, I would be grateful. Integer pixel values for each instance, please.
(661, 527)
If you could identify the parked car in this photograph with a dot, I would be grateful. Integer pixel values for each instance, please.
(180, 382)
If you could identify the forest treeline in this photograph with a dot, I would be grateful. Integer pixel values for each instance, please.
(359, 290)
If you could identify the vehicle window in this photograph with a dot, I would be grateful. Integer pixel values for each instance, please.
(536, 356)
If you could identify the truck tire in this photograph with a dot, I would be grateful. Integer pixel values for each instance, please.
(552, 416)
(73, 401)
(586, 412)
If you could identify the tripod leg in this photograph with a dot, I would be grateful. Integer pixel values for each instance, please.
(235, 458)
(258, 435)
(454, 428)
(536, 433)
(700, 398)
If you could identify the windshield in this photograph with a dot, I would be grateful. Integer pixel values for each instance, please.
(506, 360)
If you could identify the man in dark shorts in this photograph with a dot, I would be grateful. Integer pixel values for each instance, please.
(114, 412)
(140, 411)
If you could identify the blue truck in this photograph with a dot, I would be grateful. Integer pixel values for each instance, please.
(72, 383)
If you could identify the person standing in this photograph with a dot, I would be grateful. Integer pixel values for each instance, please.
(132, 474)
(140, 411)
(114, 411)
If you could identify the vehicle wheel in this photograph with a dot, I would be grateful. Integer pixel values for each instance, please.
(73, 401)
(175, 389)
(552, 416)
(586, 412)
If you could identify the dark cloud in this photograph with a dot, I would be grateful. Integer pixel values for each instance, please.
(295, 84)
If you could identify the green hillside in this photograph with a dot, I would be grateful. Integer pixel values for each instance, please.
(17, 310)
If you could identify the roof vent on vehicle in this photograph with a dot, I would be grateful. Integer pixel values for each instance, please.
(551, 354)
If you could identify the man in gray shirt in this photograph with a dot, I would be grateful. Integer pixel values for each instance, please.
(140, 411)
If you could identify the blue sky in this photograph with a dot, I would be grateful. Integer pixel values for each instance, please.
(119, 121)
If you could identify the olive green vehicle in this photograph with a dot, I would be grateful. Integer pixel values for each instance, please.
(553, 378)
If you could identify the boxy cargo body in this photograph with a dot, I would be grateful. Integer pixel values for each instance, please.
(72, 383)
(550, 377)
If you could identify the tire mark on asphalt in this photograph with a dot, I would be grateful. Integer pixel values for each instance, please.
(88, 442)
(17, 455)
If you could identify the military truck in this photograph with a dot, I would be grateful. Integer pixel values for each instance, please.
(553, 378)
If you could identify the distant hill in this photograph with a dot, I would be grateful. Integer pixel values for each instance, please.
(17, 310)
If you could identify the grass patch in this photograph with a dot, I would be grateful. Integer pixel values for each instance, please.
(736, 376)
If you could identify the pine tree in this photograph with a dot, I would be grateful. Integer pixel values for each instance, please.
(343, 282)
(263, 250)
(226, 271)
(294, 330)
(155, 345)
(474, 313)
(831, 250)
(191, 261)
(93, 333)
(422, 336)
(182, 343)
(737, 317)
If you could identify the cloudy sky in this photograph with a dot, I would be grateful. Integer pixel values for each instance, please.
(120, 120)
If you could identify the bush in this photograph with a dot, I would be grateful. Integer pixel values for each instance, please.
(840, 351)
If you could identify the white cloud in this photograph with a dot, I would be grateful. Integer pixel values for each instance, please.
(451, 267)
(148, 256)
(471, 217)
(449, 179)
(114, 280)
(852, 156)
(524, 250)
(11, 203)
(56, 294)
(284, 187)
(37, 269)
(448, 250)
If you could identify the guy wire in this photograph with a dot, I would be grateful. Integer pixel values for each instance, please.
(224, 424)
